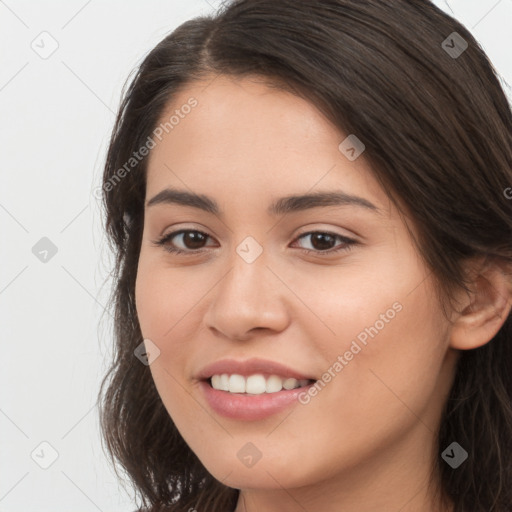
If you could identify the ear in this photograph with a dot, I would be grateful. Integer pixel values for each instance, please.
(486, 308)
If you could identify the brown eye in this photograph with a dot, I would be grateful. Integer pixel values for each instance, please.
(325, 243)
(322, 241)
(183, 241)
(193, 239)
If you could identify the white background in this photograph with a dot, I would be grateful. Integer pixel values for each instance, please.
(56, 117)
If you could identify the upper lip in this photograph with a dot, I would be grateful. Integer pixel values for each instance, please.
(250, 367)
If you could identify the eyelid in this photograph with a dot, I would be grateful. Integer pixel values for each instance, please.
(207, 231)
(187, 227)
(176, 230)
(347, 243)
(327, 230)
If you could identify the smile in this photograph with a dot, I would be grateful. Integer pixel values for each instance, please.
(255, 384)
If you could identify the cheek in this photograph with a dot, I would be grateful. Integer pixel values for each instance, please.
(386, 355)
(162, 305)
(386, 365)
(164, 297)
(168, 303)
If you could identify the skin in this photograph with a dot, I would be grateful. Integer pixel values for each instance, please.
(366, 441)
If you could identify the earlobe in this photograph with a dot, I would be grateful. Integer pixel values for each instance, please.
(485, 311)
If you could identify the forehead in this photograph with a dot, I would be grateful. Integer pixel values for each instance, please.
(241, 136)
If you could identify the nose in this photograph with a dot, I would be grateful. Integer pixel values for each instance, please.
(248, 299)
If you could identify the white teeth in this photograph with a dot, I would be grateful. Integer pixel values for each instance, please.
(236, 384)
(216, 382)
(224, 382)
(290, 383)
(255, 384)
(273, 384)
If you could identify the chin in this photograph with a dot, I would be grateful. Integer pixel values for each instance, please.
(263, 474)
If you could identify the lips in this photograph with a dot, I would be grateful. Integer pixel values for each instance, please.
(239, 405)
(251, 367)
(243, 407)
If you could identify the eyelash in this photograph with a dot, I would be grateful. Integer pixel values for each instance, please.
(163, 242)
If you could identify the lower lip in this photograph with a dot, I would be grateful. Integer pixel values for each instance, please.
(250, 407)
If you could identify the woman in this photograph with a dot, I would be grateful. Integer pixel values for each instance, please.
(308, 206)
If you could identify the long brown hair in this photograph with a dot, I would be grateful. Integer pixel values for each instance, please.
(438, 134)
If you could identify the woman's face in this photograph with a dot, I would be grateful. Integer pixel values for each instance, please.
(357, 313)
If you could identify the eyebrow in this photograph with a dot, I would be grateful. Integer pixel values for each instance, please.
(284, 205)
